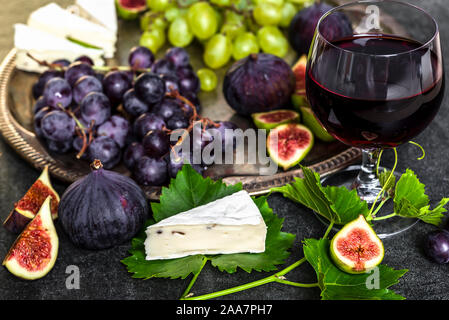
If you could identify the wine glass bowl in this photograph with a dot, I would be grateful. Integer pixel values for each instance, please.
(375, 80)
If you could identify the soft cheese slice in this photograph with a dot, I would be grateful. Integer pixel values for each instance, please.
(99, 11)
(59, 22)
(45, 46)
(232, 224)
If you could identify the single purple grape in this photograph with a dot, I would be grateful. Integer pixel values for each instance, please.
(151, 172)
(178, 122)
(59, 146)
(58, 126)
(189, 84)
(171, 82)
(436, 246)
(115, 84)
(95, 106)
(178, 56)
(76, 70)
(58, 93)
(141, 58)
(38, 119)
(38, 87)
(150, 88)
(86, 60)
(147, 122)
(84, 86)
(184, 72)
(163, 66)
(39, 104)
(132, 154)
(116, 128)
(168, 108)
(106, 150)
(133, 105)
(156, 143)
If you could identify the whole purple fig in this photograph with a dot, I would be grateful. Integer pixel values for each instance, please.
(303, 24)
(102, 209)
(258, 83)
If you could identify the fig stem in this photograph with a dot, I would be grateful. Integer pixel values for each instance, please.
(273, 278)
(96, 165)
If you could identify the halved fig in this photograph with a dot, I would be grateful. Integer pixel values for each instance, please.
(27, 207)
(34, 252)
(356, 248)
(130, 9)
(299, 98)
(308, 118)
(272, 119)
(288, 144)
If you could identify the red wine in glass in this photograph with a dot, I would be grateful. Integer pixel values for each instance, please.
(375, 103)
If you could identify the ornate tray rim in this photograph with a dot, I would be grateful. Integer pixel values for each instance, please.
(15, 135)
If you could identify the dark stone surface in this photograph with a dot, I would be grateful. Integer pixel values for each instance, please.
(102, 276)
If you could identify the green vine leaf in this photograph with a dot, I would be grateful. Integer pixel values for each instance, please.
(336, 204)
(410, 200)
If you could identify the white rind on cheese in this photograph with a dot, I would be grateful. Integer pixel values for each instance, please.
(47, 47)
(232, 224)
(100, 11)
(61, 23)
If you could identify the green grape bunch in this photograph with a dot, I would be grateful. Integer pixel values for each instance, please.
(226, 29)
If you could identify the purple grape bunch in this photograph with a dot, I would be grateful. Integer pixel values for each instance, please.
(120, 116)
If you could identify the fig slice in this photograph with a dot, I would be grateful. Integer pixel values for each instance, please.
(130, 9)
(288, 144)
(27, 207)
(272, 119)
(309, 119)
(299, 98)
(356, 248)
(34, 252)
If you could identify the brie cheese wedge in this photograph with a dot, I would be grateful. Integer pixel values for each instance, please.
(99, 11)
(47, 47)
(61, 23)
(232, 224)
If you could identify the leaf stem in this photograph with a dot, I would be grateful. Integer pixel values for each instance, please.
(277, 277)
(195, 276)
(370, 214)
(329, 228)
(385, 217)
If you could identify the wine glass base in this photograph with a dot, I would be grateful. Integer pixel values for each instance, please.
(384, 228)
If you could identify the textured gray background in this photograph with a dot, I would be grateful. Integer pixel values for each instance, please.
(104, 277)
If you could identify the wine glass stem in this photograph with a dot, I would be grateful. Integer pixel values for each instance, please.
(367, 183)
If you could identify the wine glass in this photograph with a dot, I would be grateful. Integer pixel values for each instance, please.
(375, 80)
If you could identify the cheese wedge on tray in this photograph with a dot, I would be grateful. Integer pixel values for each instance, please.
(232, 224)
(64, 24)
(45, 46)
